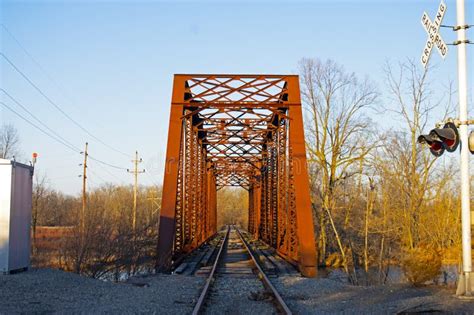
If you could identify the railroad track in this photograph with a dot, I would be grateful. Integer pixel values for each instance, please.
(236, 281)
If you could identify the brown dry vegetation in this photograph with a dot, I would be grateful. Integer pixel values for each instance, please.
(232, 207)
(108, 247)
(378, 197)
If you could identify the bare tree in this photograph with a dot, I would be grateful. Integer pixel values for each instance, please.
(9, 141)
(407, 164)
(338, 136)
(40, 189)
(414, 202)
(232, 205)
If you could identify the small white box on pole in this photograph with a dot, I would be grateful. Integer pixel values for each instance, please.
(16, 184)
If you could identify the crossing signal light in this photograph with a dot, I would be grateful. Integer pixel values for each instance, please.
(471, 142)
(441, 139)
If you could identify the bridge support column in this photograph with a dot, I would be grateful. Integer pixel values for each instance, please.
(212, 201)
(304, 215)
(170, 190)
(251, 212)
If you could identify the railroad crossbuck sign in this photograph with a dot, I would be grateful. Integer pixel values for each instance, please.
(434, 38)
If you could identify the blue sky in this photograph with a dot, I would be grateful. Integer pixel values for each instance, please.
(112, 63)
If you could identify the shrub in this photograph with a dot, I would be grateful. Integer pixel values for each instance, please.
(421, 264)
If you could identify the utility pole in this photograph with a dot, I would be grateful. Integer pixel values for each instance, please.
(135, 172)
(84, 193)
(465, 281)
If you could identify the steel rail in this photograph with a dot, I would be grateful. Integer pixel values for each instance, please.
(266, 282)
(207, 286)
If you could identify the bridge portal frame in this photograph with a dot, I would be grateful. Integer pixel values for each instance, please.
(280, 209)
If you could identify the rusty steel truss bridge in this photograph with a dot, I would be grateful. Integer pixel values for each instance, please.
(237, 130)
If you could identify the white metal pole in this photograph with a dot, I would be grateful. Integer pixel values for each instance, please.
(465, 180)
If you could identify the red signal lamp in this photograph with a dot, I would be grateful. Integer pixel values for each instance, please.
(436, 146)
(440, 139)
(34, 157)
(448, 135)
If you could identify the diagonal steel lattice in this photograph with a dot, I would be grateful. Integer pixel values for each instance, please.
(244, 131)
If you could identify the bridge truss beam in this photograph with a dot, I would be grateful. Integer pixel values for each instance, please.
(237, 130)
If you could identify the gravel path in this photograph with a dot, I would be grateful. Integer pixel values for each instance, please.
(54, 291)
(324, 296)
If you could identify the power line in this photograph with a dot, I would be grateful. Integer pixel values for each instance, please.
(38, 120)
(39, 128)
(57, 106)
(53, 81)
(94, 185)
(32, 58)
(56, 136)
(97, 175)
(109, 172)
(41, 92)
(70, 147)
(151, 179)
(108, 164)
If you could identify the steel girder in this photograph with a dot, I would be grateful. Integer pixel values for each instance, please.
(237, 130)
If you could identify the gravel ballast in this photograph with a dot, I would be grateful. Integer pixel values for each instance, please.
(326, 296)
(54, 291)
(238, 296)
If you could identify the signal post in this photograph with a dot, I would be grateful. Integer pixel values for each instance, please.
(465, 282)
(448, 137)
